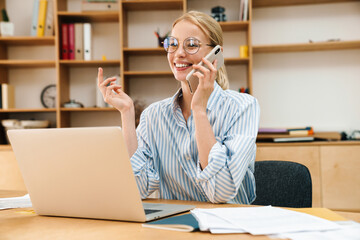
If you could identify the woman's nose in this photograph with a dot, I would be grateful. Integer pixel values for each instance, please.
(180, 51)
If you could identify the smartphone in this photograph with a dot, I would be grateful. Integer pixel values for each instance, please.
(215, 53)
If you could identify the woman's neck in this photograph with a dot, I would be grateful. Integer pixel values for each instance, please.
(185, 101)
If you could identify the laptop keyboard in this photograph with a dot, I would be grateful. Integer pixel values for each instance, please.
(148, 211)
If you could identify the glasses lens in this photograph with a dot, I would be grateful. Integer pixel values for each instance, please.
(191, 45)
(170, 44)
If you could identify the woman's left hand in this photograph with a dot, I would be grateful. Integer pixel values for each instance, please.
(206, 85)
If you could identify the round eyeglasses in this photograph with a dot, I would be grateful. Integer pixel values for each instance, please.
(191, 45)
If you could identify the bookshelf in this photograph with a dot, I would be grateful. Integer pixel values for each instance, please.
(311, 43)
(71, 76)
(302, 47)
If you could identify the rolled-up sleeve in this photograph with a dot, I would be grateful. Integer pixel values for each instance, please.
(231, 160)
(147, 178)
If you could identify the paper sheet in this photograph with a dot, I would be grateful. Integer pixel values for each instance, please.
(350, 231)
(15, 202)
(259, 220)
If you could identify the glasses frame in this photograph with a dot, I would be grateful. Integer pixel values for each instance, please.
(200, 44)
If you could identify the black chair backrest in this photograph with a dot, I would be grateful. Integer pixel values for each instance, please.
(282, 184)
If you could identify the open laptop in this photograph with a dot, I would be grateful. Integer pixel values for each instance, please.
(82, 172)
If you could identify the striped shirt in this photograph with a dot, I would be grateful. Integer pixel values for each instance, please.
(167, 158)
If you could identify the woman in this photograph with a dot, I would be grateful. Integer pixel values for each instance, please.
(197, 146)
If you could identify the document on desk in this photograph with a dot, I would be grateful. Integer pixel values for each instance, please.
(15, 202)
(259, 220)
(349, 230)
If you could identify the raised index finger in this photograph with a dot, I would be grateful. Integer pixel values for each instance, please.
(100, 75)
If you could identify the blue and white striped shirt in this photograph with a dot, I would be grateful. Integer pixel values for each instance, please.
(167, 157)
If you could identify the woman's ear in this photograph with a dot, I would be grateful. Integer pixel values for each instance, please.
(222, 49)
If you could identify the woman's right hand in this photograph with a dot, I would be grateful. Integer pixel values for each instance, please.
(113, 93)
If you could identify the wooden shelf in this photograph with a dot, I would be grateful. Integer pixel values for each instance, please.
(144, 51)
(148, 74)
(277, 3)
(27, 41)
(27, 110)
(151, 5)
(101, 16)
(27, 63)
(234, 26)
(92, 63)
(304, 47)
(88, 109)
(233, 61)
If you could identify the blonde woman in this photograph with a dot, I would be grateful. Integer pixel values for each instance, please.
(199, 146)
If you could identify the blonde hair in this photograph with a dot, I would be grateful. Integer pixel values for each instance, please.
(213, 31)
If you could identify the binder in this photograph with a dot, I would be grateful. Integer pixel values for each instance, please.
(41, 18)
(87, 41)
(35, 18)
(49, 20)
(71, 29)
(64, 41)
(8, 96)
(246, 7)
(79, 52)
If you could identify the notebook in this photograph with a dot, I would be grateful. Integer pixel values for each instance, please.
(82, 172)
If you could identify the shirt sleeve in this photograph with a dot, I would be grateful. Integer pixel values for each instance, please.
(230, 168)
(147, 178)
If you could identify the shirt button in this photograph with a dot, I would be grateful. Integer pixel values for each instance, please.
(187, 157)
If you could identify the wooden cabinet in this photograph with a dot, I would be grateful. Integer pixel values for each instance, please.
(333, 166)
(340, 168)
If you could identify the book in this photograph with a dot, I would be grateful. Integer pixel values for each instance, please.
(241, 12)
(7, 96)
(87, 41)
(41, 18)
(246, 8)
(294, 139)
(182, 223)
(79, 50)
(35, 16)
(71, 41)
(64, 41)
(99, 6)
(49, 20)
(273, 131)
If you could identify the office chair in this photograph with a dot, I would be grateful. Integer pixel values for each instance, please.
(282, 184)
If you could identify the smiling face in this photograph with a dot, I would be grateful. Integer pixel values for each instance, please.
(180, 61)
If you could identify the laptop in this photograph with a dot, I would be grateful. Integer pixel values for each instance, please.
(82, 172)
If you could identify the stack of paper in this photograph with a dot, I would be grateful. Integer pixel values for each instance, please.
(268, 221)
(15, 202)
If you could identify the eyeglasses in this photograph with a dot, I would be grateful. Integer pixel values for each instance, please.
(191, 45)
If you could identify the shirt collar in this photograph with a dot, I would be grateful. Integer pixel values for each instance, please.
(213, 99)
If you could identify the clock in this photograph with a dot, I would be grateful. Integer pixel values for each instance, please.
(48, 96)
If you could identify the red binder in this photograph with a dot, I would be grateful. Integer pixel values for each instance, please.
(64, 41)
(71, 28)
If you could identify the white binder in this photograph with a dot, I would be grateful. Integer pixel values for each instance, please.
(87, 41)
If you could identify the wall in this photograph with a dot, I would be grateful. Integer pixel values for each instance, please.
(308, 88)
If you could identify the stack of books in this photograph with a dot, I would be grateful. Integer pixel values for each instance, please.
(43, 18)
(298, 134)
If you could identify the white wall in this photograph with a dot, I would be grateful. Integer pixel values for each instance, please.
(319, 88)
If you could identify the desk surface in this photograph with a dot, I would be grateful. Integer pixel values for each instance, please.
(24, 224)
